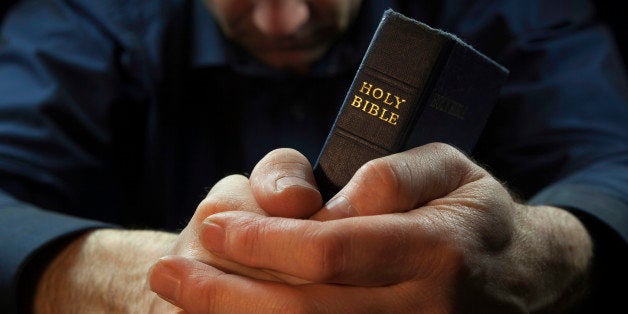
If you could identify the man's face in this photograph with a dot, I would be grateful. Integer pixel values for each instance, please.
(284, 33)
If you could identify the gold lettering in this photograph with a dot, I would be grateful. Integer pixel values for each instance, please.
(381, 117)
(399, 101)
(366, 104)
(379, 92)
(357, 101)
(366, 88)
(374, 109)
(393, 118)
(388, 101)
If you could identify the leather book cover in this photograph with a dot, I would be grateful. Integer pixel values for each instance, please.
(415, 85)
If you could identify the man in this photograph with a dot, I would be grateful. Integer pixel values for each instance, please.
(123, 112)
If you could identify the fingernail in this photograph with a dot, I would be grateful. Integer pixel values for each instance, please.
(213, 236)
(340, 207)
(164, 281)
(286, 182)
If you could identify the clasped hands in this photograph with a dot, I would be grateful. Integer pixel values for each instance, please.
(425, 230)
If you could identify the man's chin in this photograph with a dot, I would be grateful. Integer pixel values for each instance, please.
(295, 60)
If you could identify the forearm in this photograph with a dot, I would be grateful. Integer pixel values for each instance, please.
(104, 271)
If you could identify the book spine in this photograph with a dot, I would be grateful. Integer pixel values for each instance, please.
(416, 85)
(383, 102)
(460, 102)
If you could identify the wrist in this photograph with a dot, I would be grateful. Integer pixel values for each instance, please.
(103, 270)
(558, 251)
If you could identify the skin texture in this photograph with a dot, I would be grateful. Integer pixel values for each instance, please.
(436, 234)
(103, 271)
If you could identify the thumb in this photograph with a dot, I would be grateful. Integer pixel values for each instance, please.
(283, 184)
(402, 182)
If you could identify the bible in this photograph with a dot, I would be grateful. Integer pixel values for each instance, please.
(415, 85)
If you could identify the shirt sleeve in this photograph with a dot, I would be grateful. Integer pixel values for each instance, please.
(558, 135)
(60, 74)
(26, 230)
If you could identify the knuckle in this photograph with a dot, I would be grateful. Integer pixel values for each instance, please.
(456, 163)
(220, 199)
(247, 238)
(328, 262)
(200, 294)
(382, 174)
(204, 209)
(216, 203)
(457, 257)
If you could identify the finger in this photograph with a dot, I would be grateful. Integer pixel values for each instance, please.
(284, 185)
(402, 182)
(199, 288)
(232, 193)
(372, 250)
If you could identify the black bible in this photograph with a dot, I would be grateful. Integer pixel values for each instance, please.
(415, 85)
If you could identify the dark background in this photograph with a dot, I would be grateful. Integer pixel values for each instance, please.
(608, 11)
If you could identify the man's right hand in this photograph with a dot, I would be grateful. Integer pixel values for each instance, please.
(285, 188)
(105, 270)
(234, 193)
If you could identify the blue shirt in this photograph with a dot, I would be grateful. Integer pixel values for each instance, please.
(124, 113)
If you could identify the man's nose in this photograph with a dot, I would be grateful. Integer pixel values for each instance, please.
(280, 17)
